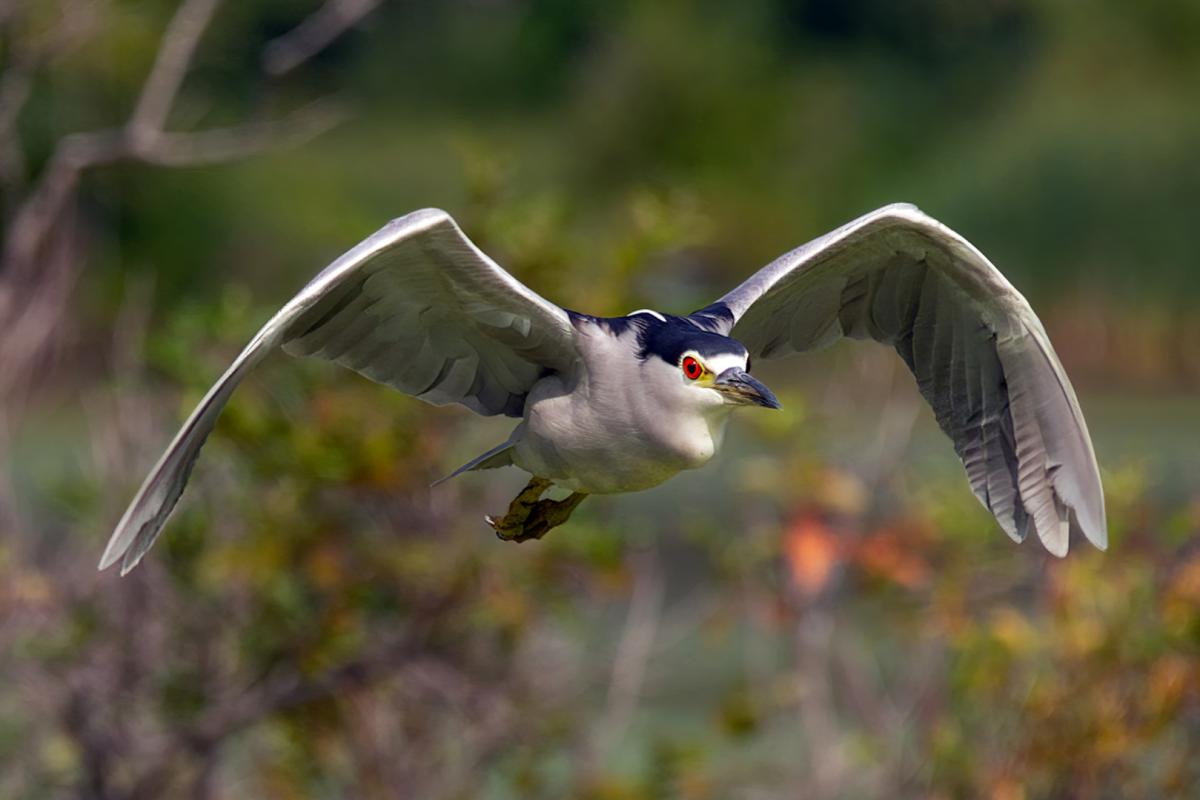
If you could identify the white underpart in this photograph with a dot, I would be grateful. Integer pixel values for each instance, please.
(621, 423)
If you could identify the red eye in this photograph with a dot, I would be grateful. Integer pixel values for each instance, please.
(692, 368)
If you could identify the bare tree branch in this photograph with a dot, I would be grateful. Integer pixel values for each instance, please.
(292, 689)
(78, 725)
(30, 312)
(14, 91)
(239, 141)
(274, 695)
(314, 34)
(29, 52)
(633, 650)
(142, 138)
(174, 57)
(74, 153)
(36, 216)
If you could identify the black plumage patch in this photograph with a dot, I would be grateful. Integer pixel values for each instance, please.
(668, 338)
(671, 339)
(614, 325)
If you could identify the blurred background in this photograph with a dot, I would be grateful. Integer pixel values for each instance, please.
(824, 611)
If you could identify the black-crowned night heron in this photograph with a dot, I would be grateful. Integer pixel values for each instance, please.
(619, 404)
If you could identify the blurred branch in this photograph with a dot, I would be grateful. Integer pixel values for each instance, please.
(78, 152)
(14, 91)
(81, 151)
(314, 34)
(274, 695)
(28, 53)
(240, 141)
(293, 689)
(93, 748)
(143, 138)
(175, 55)
(828, 762)
(633, 649)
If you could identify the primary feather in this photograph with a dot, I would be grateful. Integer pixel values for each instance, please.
(980, 356)
(416, 306)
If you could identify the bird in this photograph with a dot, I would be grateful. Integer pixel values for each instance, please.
(609, 405)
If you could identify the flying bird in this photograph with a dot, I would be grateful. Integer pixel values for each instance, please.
(619, 404)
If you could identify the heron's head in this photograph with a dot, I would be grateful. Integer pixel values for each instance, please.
(687, 368)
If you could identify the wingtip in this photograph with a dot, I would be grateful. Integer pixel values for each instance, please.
(107, 561)
(110, 556)
(1056, 538)
(1060, 545)
(1098, 538)
(1056, 550)
(122, 539)
(1089, 522)
(127, 565)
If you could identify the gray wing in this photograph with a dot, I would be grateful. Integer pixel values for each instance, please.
(415, 306)
(980, 356)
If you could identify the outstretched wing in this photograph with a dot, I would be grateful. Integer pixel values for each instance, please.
(980, 356)
(415, 306)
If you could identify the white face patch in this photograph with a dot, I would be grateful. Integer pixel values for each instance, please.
(718, 363)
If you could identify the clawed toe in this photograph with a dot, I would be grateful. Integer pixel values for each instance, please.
(531, 518)
(506, 529)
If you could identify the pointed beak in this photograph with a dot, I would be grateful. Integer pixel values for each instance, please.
(742, 388)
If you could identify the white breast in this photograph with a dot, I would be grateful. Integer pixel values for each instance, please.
(602, 432)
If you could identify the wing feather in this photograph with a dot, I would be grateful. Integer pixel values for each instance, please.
(416, 306)
(979, 354)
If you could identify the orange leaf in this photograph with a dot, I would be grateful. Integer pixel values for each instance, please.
(888, 555)
(812, 552)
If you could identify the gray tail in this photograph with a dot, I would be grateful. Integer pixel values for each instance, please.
(498, 456)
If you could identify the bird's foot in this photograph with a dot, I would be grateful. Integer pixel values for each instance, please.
(530, 517)
(546, 515)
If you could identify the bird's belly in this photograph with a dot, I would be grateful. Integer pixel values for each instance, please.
(626, 466)
(575, 449)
